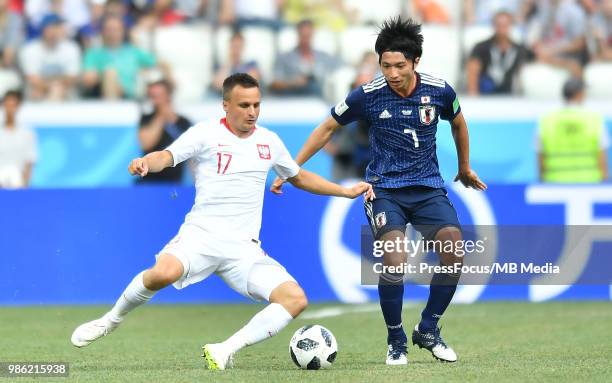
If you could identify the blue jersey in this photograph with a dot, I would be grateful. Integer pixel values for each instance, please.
(402, 129)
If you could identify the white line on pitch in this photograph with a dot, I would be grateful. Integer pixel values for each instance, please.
(335, 311)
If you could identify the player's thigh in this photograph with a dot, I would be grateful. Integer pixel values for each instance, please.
(254, 275)
(189, 247)
(436, 219)
(385, 215)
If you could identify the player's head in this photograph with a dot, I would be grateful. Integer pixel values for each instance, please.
(399, 46)
(241, 99)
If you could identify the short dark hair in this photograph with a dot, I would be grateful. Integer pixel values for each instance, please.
(15, 93)
(245, 80)
(400, 35)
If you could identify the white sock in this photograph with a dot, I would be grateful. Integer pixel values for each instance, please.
(265, 324)
(134, 295)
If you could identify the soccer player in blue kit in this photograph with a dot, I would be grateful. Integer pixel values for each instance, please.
(403, 108)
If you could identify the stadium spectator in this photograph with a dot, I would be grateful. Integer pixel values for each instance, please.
(559, 30)
(429, 11)
(158, 129)
(18, 152)
(235, 63)
(302, 70)
(89, 34)
(332, 14)
(572, 143)
(484, 11)
(112, 70)
(75, 12)
(242, 13)
(601, 32)
(11, 35)
(51, 63)
(494, 63)
(368, 69)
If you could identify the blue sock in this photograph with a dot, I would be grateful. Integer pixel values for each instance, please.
(441, 291)
(391, 301)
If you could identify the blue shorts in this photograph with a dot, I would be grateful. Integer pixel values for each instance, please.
(427, 209)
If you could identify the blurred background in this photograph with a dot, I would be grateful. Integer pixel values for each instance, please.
(90, 84)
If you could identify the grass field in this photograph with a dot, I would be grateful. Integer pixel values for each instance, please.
(496, 342)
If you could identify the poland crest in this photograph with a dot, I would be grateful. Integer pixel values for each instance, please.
(264, 151)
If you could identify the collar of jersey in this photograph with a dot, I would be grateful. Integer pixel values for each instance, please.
(223, 121)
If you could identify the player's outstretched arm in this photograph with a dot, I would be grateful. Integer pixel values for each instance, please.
(317, 139)
(153, 162)
(316, 184)
(466, 175)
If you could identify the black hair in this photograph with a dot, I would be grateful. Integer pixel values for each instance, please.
(400, 35)
(13, 93)
(245, 80)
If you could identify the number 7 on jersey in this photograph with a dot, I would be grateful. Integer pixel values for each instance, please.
(414, 136)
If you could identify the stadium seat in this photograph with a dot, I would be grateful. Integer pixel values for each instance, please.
(441, 53)
(338, 84)
(543, 81)
(259, 45)
(598, 78)
(187, 50)
(324, 40)
(374, 12)
(9, 79)
(355, 41)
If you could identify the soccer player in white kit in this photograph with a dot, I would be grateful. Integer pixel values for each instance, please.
(230, 159)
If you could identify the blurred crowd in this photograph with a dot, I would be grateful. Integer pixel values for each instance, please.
(71, 49)
(54, 50)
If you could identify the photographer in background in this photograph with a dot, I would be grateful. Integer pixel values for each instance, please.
(160, 128)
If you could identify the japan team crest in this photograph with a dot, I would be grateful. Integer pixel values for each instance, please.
(264, 151)
(427, 113)
(380, 220)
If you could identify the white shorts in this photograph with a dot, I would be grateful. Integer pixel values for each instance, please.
(242, 264)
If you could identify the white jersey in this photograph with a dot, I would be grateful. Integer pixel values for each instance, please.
(230, 176)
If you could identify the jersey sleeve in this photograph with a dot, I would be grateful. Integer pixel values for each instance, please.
(451, 107)
(351, 109)
(187, 145)
(284, 166)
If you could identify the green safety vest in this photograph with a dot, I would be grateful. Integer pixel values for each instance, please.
(570, 146)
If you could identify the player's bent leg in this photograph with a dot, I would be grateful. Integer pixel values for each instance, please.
(442, 288)
(168, 269)
(270, 282)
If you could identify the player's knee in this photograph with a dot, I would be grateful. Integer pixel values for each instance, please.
(164, 273)
(292, 298)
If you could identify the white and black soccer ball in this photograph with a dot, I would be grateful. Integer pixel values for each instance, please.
(313, 347)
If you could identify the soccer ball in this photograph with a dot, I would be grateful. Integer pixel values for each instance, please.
(313, 347)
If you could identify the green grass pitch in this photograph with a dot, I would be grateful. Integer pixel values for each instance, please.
(496, 342)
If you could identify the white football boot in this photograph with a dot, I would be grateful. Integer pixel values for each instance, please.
(90, 331)
(397, 353)
(433, 342)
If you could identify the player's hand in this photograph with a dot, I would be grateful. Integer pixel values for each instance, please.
(470, 179)
(277, 185)
(139, 166)
(359, 189)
